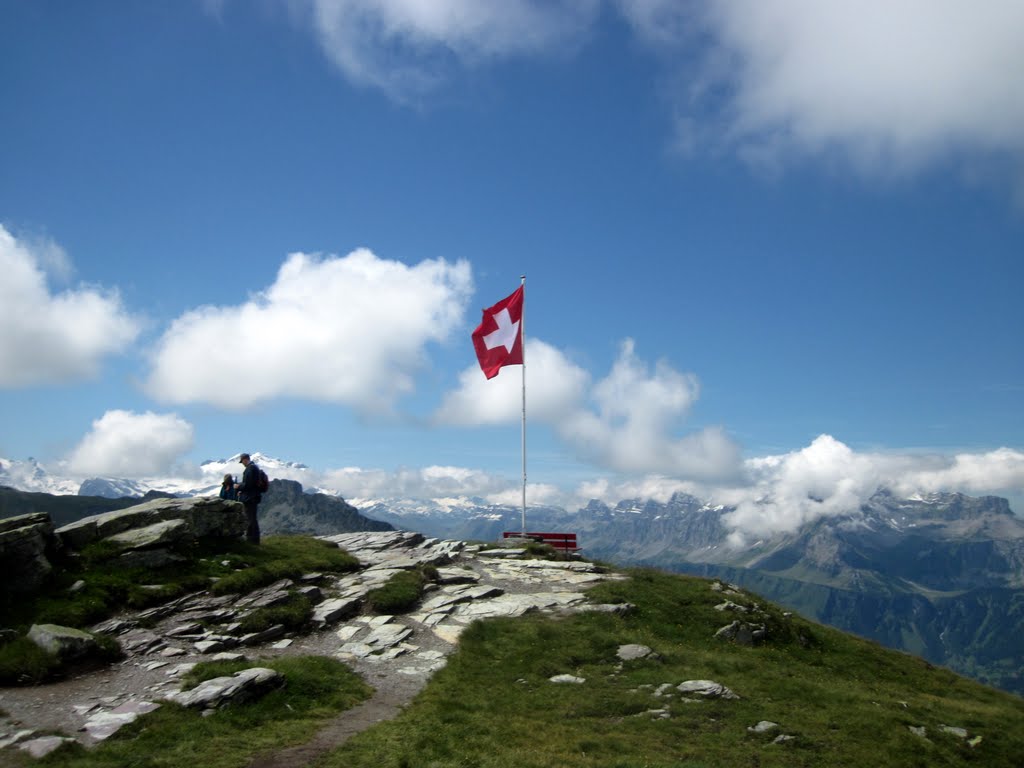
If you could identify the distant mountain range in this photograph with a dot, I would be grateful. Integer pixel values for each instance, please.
(940, 576)
(30, 475)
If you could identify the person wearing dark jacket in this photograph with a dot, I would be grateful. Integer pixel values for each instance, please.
(249, 495)
(228, 490)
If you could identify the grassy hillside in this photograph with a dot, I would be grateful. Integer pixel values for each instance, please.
(973, 632)
(836, 699)
(845, 701)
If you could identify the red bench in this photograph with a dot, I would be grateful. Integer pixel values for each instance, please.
(563, 541)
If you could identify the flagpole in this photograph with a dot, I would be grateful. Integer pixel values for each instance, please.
(522, 330)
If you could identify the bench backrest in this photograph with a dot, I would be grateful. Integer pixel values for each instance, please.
(565, 541)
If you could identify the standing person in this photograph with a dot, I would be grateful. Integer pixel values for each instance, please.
(228, 490)
(249, 495)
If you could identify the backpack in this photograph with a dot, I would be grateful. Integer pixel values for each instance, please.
(262, 481)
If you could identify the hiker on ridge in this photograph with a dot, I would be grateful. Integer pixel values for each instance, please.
(249, 495)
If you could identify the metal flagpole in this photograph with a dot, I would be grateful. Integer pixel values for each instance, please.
(522, 339)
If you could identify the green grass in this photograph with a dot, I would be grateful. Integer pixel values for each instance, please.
(847, 702)
(282, 557)
(400, 593)
(294, 614)
(22, 662)
(316, 690)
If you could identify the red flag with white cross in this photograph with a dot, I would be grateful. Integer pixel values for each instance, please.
(498, 339)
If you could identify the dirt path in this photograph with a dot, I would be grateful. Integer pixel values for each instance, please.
(382, 705)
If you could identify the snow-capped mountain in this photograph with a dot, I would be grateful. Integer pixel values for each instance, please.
(30, 475)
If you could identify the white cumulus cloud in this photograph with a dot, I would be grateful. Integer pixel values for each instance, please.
(132, 445)
(892, 85)
(335, 329)
(53, 337)
(633, 422)
(553, 384)
(407, 47)
(627, 422)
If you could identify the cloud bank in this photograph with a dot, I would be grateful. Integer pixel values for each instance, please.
(53, 337)
(626, 422)
(131, 445)
(891, 83)
(889, 86)
(776, 494)
(827, 478)
(349, 330)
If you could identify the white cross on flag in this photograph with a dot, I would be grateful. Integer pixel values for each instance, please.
(498, 339)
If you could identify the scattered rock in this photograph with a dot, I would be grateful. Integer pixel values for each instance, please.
(567, 679)
(708, 689)
(633, 652)
(743, 633)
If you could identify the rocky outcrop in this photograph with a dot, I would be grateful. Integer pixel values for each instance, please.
(145, 535)
(247, 684)
(26, 542)
(197, 518)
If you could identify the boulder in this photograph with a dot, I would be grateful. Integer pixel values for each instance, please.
(203, 517)
(743, 633)
(66, 643)
(244, 685)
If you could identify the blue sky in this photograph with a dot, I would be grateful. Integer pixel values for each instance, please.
(773, 249)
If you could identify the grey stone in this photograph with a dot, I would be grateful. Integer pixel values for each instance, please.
(160, 534)
(567, 679)
(633, 651)
(242, 686)
(265, 636)
(708, 689)
(66, 643)
(763, 726)
(44, 745)
(105, 724)
(743, 633)
(331, 611)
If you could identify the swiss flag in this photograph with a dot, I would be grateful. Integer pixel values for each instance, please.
(498, 339)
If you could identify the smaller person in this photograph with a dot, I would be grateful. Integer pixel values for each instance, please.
(228, 489)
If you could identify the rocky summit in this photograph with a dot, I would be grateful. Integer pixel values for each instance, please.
(397, 654)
